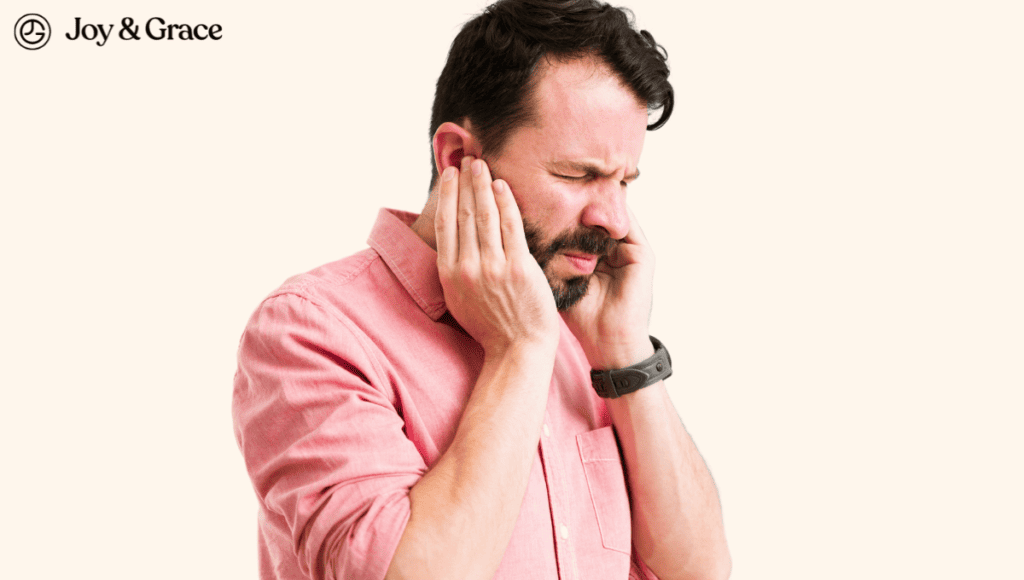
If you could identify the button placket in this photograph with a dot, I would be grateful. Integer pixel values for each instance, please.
(557, 503)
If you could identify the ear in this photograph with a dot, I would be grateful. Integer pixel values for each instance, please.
(452, 142)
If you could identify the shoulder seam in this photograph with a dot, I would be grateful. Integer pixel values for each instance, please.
(360, 337)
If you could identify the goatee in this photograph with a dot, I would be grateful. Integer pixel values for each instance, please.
(570, 291)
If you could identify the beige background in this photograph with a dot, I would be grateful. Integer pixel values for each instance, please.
(836, 206)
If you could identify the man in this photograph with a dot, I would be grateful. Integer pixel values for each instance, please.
(424, 408)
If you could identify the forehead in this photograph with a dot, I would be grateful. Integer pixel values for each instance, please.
(583, 110)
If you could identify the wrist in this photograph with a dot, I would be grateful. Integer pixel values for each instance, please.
(517, 371)
(620, 355)
(615, 382)
(523, 352)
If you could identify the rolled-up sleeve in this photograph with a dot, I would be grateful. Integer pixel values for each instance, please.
(322, 440)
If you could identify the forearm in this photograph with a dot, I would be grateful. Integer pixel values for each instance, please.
(677, 516)
(465, 508)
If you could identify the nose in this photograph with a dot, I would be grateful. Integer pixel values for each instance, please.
(606, 208)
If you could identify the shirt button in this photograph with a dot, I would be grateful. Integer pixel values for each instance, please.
(547, 432)
(563, 530)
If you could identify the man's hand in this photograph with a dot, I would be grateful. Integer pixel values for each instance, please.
(676, 514)
(492, 285)
(463, 511)
(612, 320)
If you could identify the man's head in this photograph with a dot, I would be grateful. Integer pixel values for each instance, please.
(489, 78)
(555, 97)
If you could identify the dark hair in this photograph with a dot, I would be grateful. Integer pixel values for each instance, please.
(487, 78)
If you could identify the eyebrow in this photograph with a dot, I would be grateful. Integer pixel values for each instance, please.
(592, 169)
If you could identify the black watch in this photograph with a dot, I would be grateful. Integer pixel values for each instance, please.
(618, 382)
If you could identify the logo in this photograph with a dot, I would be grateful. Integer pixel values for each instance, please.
(32, 31)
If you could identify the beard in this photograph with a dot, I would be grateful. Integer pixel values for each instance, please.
(568, 291)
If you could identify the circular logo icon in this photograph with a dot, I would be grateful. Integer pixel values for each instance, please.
(32, 31)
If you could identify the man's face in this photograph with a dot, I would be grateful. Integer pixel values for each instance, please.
(569, 170)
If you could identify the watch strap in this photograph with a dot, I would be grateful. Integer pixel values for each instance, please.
(614, 383)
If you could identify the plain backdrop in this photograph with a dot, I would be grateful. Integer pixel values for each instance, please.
(836, 206)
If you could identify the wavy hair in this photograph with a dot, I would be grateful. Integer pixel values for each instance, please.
(487, 78)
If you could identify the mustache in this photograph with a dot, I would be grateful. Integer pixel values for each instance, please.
(582, 239)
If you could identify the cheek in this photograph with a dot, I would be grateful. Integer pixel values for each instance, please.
(550, 207)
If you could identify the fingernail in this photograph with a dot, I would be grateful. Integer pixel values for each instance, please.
(477, 167)
(449, 173)
(465, 162)
(498, 185)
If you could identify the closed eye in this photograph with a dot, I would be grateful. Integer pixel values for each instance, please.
(594, 175)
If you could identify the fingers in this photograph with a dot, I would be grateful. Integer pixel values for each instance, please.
(635, 234)
(512, 234)
(632, 249)
(446, 231)
(476, 217)
(469, 248)
(487, 214)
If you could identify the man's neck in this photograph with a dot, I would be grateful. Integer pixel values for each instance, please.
(424, 224)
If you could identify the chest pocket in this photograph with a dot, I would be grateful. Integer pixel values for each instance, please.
(602, 465)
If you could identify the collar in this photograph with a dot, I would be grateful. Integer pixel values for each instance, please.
(410, 259)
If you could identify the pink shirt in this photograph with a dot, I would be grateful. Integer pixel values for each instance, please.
(350, 385)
